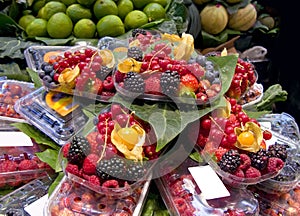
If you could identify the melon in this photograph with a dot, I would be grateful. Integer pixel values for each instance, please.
(243, 19)
(214, 18)
(200, 2)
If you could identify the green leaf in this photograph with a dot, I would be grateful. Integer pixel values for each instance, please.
(54, 42)
(152, 24)
(210, 40)
(13, 47)
(8, 27)
(257, 114)
(35, 78)
(36, 134)
(56, 182)
(13, 71)
(50, 156)
(196, 157)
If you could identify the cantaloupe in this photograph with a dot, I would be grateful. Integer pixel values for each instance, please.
(214, 18)
(243, 19)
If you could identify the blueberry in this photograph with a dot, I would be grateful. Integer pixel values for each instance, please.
(209, 67)
(201, 59)
(191, 61)
(47, 79)
(42, 74)
(52, 73)
(216, 81)
(209, 75)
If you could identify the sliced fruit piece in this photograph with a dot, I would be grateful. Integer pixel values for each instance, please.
(129, 64)
(107, 57)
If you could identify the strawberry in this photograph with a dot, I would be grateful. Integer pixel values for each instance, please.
(152, 84)
(189, 81)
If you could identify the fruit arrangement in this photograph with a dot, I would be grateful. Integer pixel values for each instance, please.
(116, 156)
(10, 92)
(235, 146)
(72, 198)
(168, 68)
(90, 19)
(82, 70)
(252, 96)
(181, 194)
(20, 165)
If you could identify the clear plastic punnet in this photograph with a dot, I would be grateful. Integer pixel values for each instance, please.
(10, 92)
(54, 113)
(182, 196)
(71, 197)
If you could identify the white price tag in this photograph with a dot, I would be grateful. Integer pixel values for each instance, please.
(208, 181)
(36, 208)
(14, 138)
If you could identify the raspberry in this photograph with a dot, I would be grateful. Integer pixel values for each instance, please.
(15, 181)
(152, 84)
(111, 183)
(65, 149)
(8, 166)
(219, 153)
(89, 164)
(180, 204)
(2, 182)
(274, 164)
(91, 137)
(252, 172)
(28, 165)
(94, 180)
(245, 162)
(73, 168)
(239, 173)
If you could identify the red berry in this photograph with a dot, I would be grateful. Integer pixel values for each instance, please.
(267, 135)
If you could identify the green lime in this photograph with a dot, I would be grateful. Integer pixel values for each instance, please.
(135, 19)
(59, 26)
(52, 8)
(40, 13)
(69, 2)
(154, 11)
(163, 3)
(77, 12)
(25, 20)
(105, 7)
(84, 28)
(110, 25)
(37, 28)
(86, 3)
(37, 5)
(139, 4)
(124, 7)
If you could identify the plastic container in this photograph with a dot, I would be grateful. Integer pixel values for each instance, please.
(53, 113)
(81, 70)
(282, 125)
(160, 53)
(105, 163)
(35, 55)
(10, 92)
(252, 97)
(15, 202)
(283, 204)
(183, 197)
(19, 165)
(71, 197)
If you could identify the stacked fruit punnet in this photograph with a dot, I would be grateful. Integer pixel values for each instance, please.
(114, 156)
(84, 69)
(237, 145)
(166, 67)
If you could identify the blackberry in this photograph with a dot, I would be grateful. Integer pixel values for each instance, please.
(134, 82)
(136, 32)
(259, 159)
(278, 150)
(79, 149)
(135, 53)
(113, 168)
(135, 171)
(103, 72)
(169, 82)
(230, 161)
